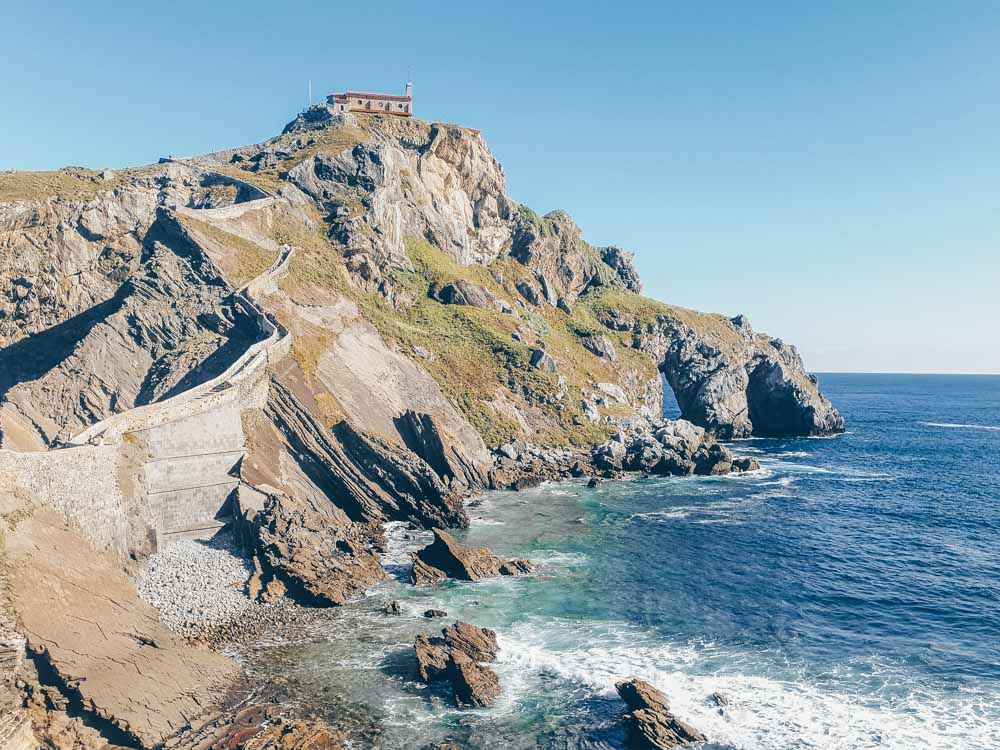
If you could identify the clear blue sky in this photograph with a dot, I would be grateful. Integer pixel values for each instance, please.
(830, 169)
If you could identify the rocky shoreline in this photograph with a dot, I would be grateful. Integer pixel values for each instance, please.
(204, 592)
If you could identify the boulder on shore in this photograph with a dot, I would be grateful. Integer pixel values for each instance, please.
(456, 657)
(445, 558)
(649, 723)
(320, 560)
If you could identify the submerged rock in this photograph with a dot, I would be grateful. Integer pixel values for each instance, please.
(447, 558)
(649, 723)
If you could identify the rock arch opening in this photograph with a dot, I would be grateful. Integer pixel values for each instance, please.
(669, 409)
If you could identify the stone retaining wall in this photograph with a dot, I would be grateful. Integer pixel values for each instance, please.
(83, 482)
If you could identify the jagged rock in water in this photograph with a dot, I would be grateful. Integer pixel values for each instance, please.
(477, 643)
(433, 613)
(474, 685)
(320, 560)
(432, 657)
(447, 558)
(456, 657)
(649, 723)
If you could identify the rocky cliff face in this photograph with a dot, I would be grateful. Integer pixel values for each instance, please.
(424, 318)
(407, 224)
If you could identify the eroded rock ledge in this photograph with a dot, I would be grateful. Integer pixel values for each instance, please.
(446, 558)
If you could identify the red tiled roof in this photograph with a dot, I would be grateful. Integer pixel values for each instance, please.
(385, 97)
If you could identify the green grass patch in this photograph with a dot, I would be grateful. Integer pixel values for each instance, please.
(71, 182)
(247, 261)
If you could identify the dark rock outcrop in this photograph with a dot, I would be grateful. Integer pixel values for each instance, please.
(601, 346)
(518, 465)
(478, 643)
(475, 686)
(423, 435)
(320, 560)
(464, 292)
(623, 264)
(456, 657)
(649, 723)
(447, 558)
(433, 656)
(542, 360)
(564, 265)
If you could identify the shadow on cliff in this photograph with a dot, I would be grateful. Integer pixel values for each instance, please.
(237, 342)
(34, 356)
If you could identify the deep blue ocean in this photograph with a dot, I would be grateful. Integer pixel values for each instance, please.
(845, 596)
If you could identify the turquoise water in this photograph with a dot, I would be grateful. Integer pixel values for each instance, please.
(845, 596)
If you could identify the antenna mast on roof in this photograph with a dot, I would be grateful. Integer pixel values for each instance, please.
(310, 92)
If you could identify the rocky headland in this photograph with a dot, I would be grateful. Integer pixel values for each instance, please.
(286, 346)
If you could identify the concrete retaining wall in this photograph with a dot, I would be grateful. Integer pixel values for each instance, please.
(189, 474)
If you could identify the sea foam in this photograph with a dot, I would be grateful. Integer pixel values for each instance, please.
(765, 712)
